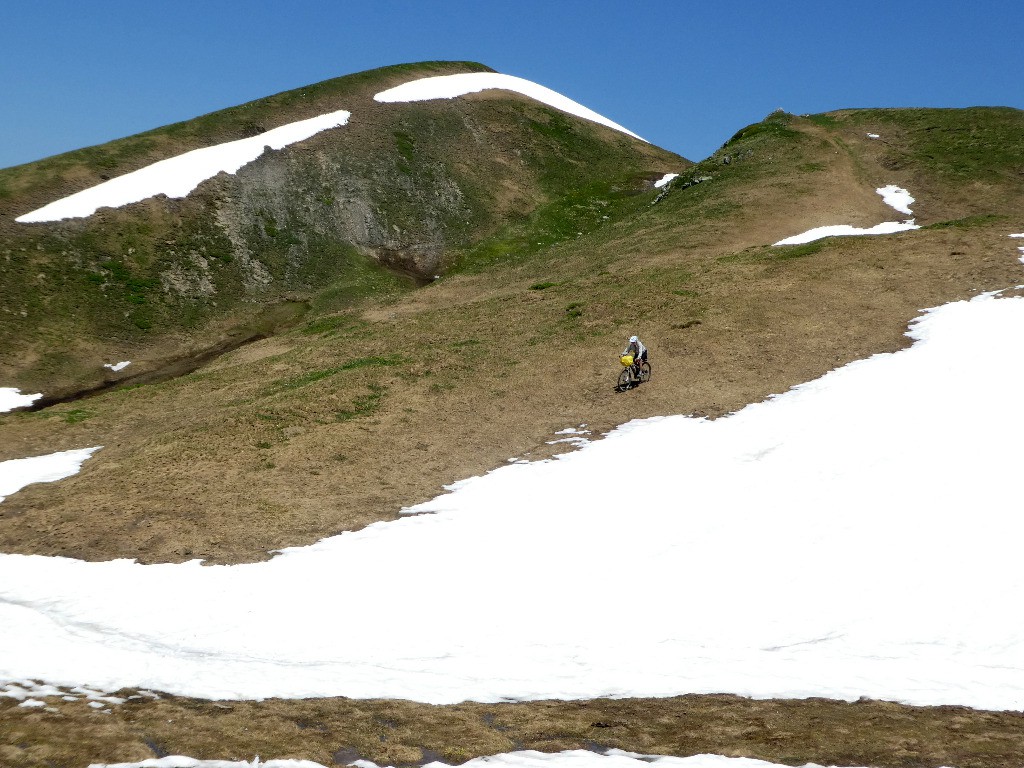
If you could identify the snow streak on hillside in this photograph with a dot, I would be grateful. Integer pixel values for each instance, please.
(831, 541)
(17, 473)
(11, 398)
(178, 176)
(451, 86)
(892, 195)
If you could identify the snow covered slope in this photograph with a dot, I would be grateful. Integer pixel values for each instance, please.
(831, 541)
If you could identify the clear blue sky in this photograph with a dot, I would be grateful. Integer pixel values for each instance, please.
(684, 74)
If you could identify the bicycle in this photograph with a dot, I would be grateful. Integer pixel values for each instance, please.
(633, 374)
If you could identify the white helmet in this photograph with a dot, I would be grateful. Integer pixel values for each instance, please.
(633, 338)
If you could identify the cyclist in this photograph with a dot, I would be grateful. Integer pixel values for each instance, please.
(636, 348)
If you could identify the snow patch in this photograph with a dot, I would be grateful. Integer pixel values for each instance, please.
(1020, 248)
(897, 198)
(452, 86)
(17, 473)
(892, 195)
(118, 366)
(664, 180)
(842, 230)
(11, 398)
(178, 176)
(874, 136)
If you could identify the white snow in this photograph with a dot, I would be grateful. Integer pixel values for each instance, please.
(897, 198)
(1020, 248)
(831, 541)
(26, 689)
(452, 86)
(664, 180)
(11, 398)
(178, 176)
(32, 703)
(892, 195)
(840, 230)
(118, 366)
(17, 473)
(874, 136)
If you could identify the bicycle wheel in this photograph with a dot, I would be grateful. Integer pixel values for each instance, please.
(645, 371)
(625, 379)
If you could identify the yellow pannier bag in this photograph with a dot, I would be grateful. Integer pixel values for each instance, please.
(626, 360)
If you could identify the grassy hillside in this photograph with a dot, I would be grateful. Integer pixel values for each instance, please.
(402, 193)
(385, 391)
(372, 405)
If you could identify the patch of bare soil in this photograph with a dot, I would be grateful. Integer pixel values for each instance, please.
(401, 733)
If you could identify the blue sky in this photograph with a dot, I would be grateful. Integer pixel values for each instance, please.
(684, 74)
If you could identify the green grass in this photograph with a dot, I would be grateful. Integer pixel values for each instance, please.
(775, 252)
(957, 145)
(775, 126)
(363, 405)
(311, 377)
(77, 415)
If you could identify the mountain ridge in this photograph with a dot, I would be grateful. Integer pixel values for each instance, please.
(379, 205)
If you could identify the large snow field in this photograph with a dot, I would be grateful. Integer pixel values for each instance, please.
(525, 759)
(892, 196)
(452, 86)
(178, 176)
(858, 535)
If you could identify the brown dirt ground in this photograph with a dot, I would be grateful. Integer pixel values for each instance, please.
(338, 731)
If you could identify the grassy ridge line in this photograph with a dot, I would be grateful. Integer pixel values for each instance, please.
(89, 165)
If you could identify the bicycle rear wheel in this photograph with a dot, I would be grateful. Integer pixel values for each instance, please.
(645, 371)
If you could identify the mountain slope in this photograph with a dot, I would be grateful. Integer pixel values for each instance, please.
(371, 404)
(357, 413)
(379, 205)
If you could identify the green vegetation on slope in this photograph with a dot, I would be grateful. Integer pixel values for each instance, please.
(402, 193)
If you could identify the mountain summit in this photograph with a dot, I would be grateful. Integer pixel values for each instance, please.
(367, 183)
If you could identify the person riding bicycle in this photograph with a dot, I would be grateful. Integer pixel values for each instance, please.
(636, 348)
